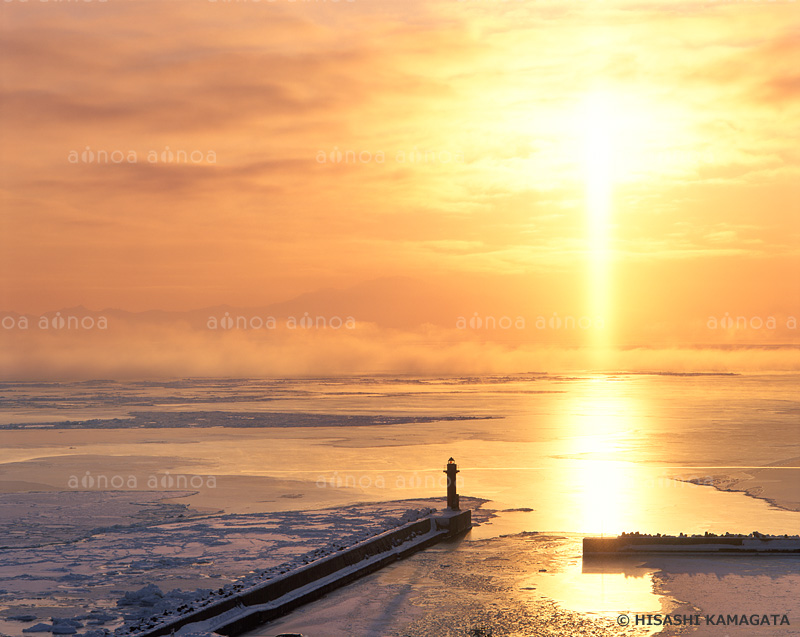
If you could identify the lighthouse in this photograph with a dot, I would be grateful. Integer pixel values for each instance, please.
(451, 469)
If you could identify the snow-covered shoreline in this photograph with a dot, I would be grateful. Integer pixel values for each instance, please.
(775, 483)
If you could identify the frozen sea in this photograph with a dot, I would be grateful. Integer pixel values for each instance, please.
(107, 487)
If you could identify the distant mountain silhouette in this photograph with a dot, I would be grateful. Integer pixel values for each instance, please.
(393, 302)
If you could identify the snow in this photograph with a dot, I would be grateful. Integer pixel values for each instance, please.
(225, 618)
(732, 585)
(147, 558)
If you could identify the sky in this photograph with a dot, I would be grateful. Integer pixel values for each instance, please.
(411, 164)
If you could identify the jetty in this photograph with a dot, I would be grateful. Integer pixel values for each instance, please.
(245, 609)
(710, 543)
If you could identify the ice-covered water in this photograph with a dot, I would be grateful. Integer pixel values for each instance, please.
(587, 453)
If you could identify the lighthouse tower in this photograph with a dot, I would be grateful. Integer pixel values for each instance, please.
(451, 469)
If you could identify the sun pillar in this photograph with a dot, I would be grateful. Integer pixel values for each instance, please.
(598, 161)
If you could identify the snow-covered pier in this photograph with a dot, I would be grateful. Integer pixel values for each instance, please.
(243, 610)
(243, 607)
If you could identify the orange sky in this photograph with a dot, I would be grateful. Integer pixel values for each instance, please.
(467, 124)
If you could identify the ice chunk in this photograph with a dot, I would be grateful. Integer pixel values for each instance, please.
(38, 628)
(149, 595)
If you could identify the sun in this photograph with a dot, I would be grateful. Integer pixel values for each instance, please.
(626, 135)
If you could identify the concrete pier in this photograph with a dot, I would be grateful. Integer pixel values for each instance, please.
(269, 600)
(239, 612)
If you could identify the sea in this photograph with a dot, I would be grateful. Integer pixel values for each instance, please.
(553, 457)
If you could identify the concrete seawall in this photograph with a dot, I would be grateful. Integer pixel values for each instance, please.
(697, 544)
(269, 600)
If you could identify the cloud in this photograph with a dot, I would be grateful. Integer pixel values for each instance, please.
(704, 106)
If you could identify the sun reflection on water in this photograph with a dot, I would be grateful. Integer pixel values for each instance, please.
(601, 590)
(596, 426)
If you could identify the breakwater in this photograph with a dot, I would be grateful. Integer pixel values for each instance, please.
(266, 601)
